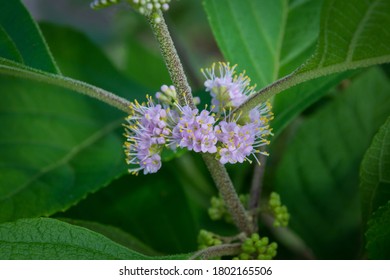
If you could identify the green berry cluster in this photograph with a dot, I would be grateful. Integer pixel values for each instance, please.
(279, 211)
(256, 248)
(207, 239)
(218, 210)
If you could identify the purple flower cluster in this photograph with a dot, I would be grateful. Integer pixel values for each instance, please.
(195, 131)
(153, 127)
(238, 141)
(146, 132)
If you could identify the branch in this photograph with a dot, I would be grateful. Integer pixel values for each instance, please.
(217, 170)
(16, 70)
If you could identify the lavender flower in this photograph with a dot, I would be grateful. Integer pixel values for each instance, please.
(226, 88)
(146, 132)
(195, 132)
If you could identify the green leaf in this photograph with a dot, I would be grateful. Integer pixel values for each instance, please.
(115, 234)
(374, 173)
(275, 38)
(50, 239)
(8, 49)
(265, 38)
(21, 40)
(144, 66)
(378, 234)
(353, 34)
(58, 146)
(318, 175)
(153, 208)
(88, 63)
(295, 100)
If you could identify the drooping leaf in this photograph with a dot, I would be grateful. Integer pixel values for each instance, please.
(21, 40)
(378, 234)
(50, 239)
(57, 146)
(318, 175)
(375, 172)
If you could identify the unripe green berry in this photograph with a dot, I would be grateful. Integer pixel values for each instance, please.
(264, 241)
(255, 237)
(244, 256)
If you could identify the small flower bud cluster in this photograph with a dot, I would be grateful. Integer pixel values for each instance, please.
(207, 239)
(218, 210)
(256, 248)
(232, 138)
(168, 96)
(98, 4)
(148, 7)
(279, 211)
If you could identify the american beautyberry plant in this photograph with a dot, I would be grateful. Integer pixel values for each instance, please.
(271, 143)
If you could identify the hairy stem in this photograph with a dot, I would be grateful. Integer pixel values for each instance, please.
(225, 186)
(172, 60)
(65, 82)
(217, 170)
(217, 251)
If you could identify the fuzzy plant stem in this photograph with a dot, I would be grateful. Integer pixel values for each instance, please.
(21, 71)
(217, 170)
(172, 60)
(217, 251)
(229, 195)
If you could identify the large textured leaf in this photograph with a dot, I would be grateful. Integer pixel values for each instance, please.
(375, 172)
(273, 39)
(378, 234)
(266, 38)
(318, 175)
(21, 39)
(44, 238)
(57, 146)
(293, 101)
(353, 34)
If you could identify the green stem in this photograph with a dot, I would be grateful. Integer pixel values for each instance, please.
(217, 170)
(16, 70)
